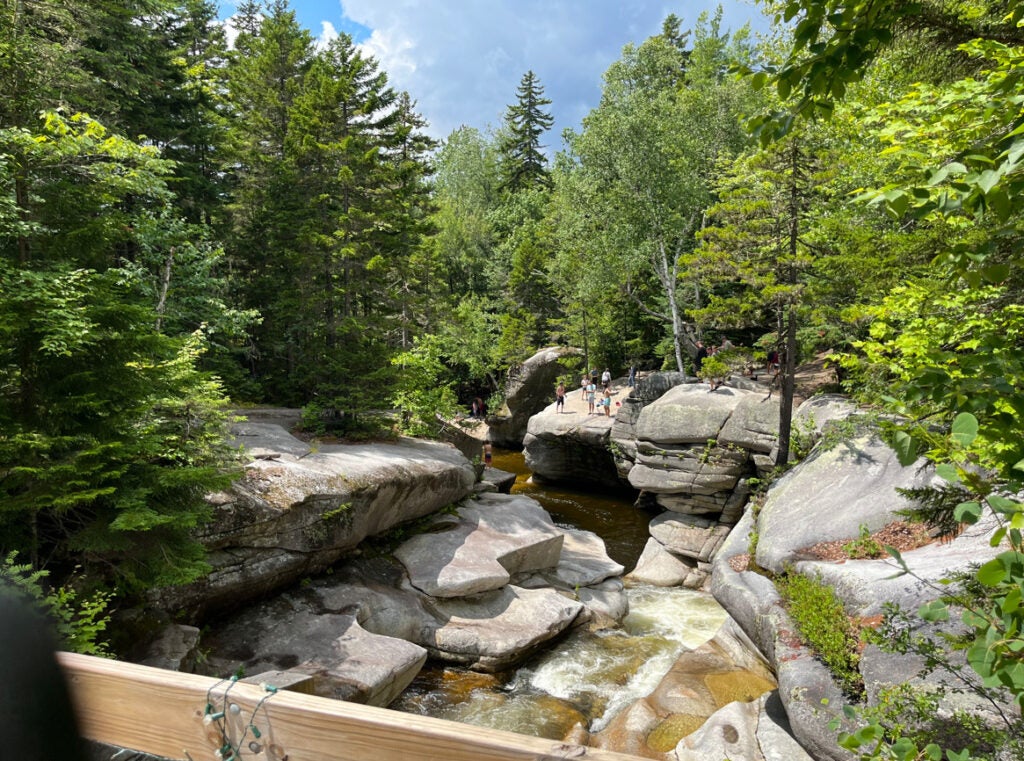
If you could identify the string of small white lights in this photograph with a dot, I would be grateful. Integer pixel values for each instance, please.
(254, 744)
(228, 750)
(211, 716)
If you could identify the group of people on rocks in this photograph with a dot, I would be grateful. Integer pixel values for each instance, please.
(589, 393)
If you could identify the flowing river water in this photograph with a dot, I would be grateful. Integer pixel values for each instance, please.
(587, 677)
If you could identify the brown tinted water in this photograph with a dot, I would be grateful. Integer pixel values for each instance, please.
(608, 513)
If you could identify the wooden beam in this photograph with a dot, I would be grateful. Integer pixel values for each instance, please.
(162, 712)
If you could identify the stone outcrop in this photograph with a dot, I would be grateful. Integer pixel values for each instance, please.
(346, 661)
(296, 511)
(529, 389)
(479, 550)
(483, 588)
(570, 448)
(586, 573)
(688, 535)
(659, 567)
(695, 446)
(752, 731)
(693, 453)
(174, 648)
(647, 389)
(836, 490)
(831, 495)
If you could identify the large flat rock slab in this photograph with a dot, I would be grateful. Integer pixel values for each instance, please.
(831, 495)
(296, 511)
(688, 414)
(585, 573)
(584, 561)
(483, 631)
(491, 539)
(660, 568)
(345, 661)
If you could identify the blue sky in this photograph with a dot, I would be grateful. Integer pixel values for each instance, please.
(461, 60)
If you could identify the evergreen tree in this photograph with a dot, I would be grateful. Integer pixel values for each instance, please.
(194, 111)
(110, 436)
(767, 196)
(523, 164)
(331, 203)
(265, 75)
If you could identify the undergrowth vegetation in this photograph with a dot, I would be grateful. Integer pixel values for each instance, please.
(825, 627)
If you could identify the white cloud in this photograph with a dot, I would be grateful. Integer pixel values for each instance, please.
(327, 34)
(462, 60)
(397, 54)
(230, 31)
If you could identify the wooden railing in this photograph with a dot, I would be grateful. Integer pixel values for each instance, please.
(185, 716)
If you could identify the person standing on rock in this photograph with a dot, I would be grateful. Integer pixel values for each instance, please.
(560, 397)
(698, 360)
(583, 388)
(606, 378)
(591, 394)
(607, 401)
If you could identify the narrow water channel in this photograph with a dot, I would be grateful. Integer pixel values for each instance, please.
(608, 514)
(587, 677)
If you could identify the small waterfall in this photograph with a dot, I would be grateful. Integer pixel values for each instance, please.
(614, 668)
(587, 678)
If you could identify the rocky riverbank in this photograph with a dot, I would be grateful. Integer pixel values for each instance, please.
(486, 579)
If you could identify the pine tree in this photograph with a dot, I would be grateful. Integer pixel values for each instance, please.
(523, 164)
(110, 436)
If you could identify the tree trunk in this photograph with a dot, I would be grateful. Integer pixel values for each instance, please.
(668, 277)
(165, 286)
(788, 370)
(789, 367)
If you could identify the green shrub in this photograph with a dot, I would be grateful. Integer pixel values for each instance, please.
(79, 621)
(864, 546)
(713, 370)
(824, 626)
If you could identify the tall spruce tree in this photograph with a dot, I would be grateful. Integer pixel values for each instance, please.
(265, 75)
(523, 164)
(330, 204)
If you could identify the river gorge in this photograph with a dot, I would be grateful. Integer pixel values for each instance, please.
(589, 676)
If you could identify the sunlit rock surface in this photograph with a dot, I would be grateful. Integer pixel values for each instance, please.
(529, 388)
(847, 482)
(699, 683)
(296, 511)
(446, 592)
(490, 539)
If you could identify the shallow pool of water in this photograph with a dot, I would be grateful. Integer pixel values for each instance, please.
(609, 514)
